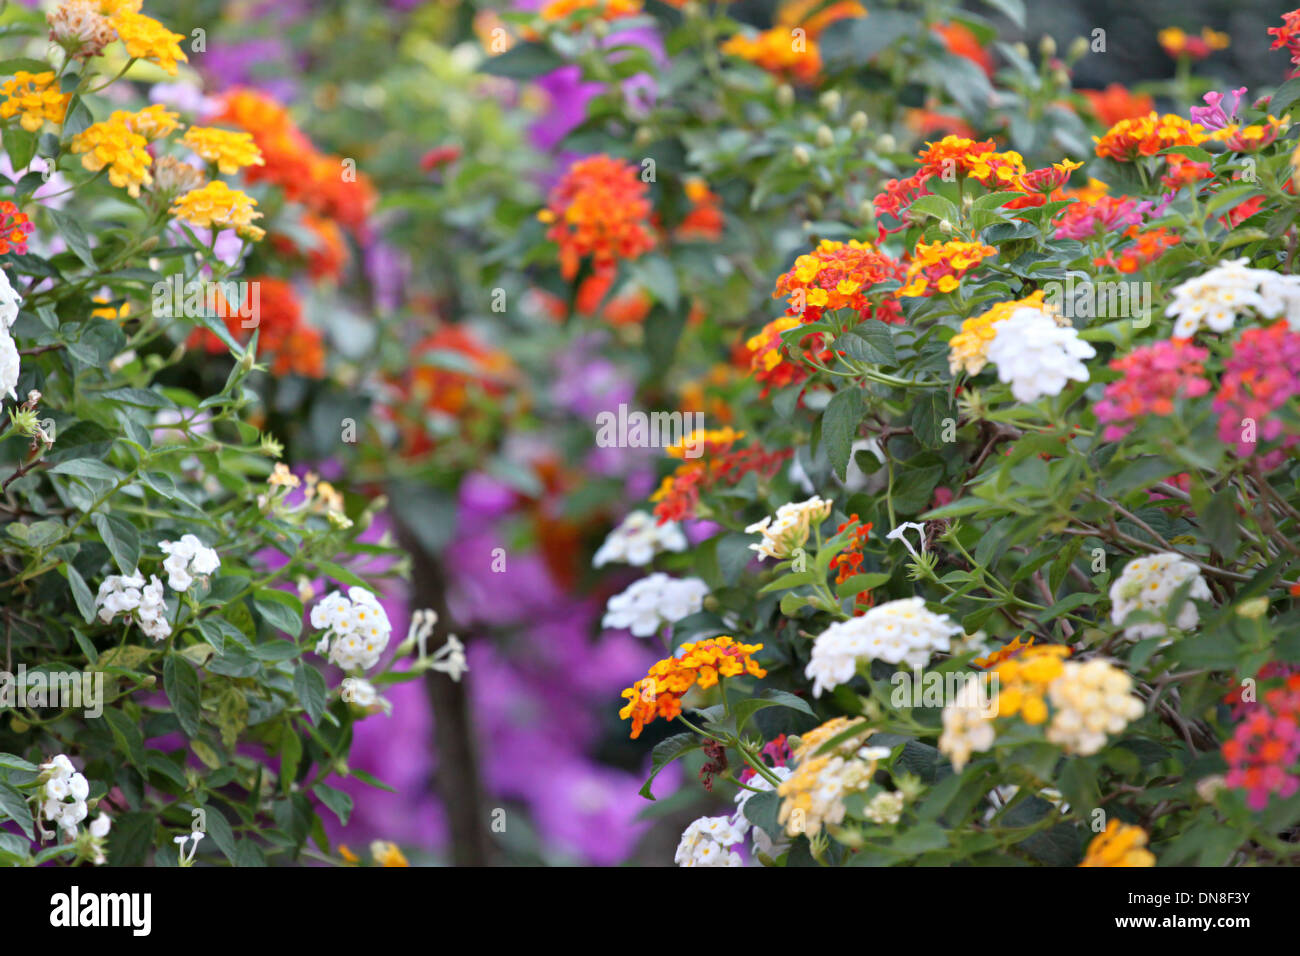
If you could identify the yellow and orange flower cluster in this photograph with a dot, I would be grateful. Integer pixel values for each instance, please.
(599, 209)
(940, 266)
(789, 49)
(839, 275)
(1120, 844)
(957, 155)
(34, 98)
(594, 9)
(1148, 135)
(1178, 43)
(659, 693)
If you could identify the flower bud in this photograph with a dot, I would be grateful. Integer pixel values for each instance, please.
(1020, 49)
(867, 210)
(644, 136)
(1047, 46)
(1077, 48)
(801, 155)
(831, 101)
(858, 122)
(886, 144)
(825, 138)
(785, 95)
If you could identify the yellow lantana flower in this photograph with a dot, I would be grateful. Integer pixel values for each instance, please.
(230, 150)
(217, 206)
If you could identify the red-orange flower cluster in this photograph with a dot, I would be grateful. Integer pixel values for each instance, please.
(599, 209)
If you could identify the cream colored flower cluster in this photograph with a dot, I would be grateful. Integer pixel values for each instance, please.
(789, 529)
(1089, 701)
(812, 797)
(1147, 584)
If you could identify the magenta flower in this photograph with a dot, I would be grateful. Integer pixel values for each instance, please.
(1259, 378)
(1215, 116)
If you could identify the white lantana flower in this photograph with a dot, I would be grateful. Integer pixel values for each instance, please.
(356, 628)
(185, 558)
(10, 364)
(129, 595)
(1215, 298)
(638, 539)
(898, 632)
(706, 842)
(65, 792)
(656, 600)
(1037, 356)
(359, 691)
(1147, 584)
(790, 528)
(10, 302)
(885, 808)
(967, 725)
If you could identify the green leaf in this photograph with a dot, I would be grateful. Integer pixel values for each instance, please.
(122, 540)
(523, 61)
(280, 609)
(131, 838)
(770, 698)
(840, 428)
(86, 468)
(665, 752)
(13, 806)
(129, 739)
(309, 686)
(218, 828)
(81, 593)
(71, 231)
(871, 342)
(181, 684)
(336, 800)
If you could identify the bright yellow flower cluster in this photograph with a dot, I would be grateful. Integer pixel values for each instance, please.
(1120, 844)
(113, 143)
(969, 348)
(217, 206)
(231, 151)
(147, 39)
(35, 98)
(1023, 681)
